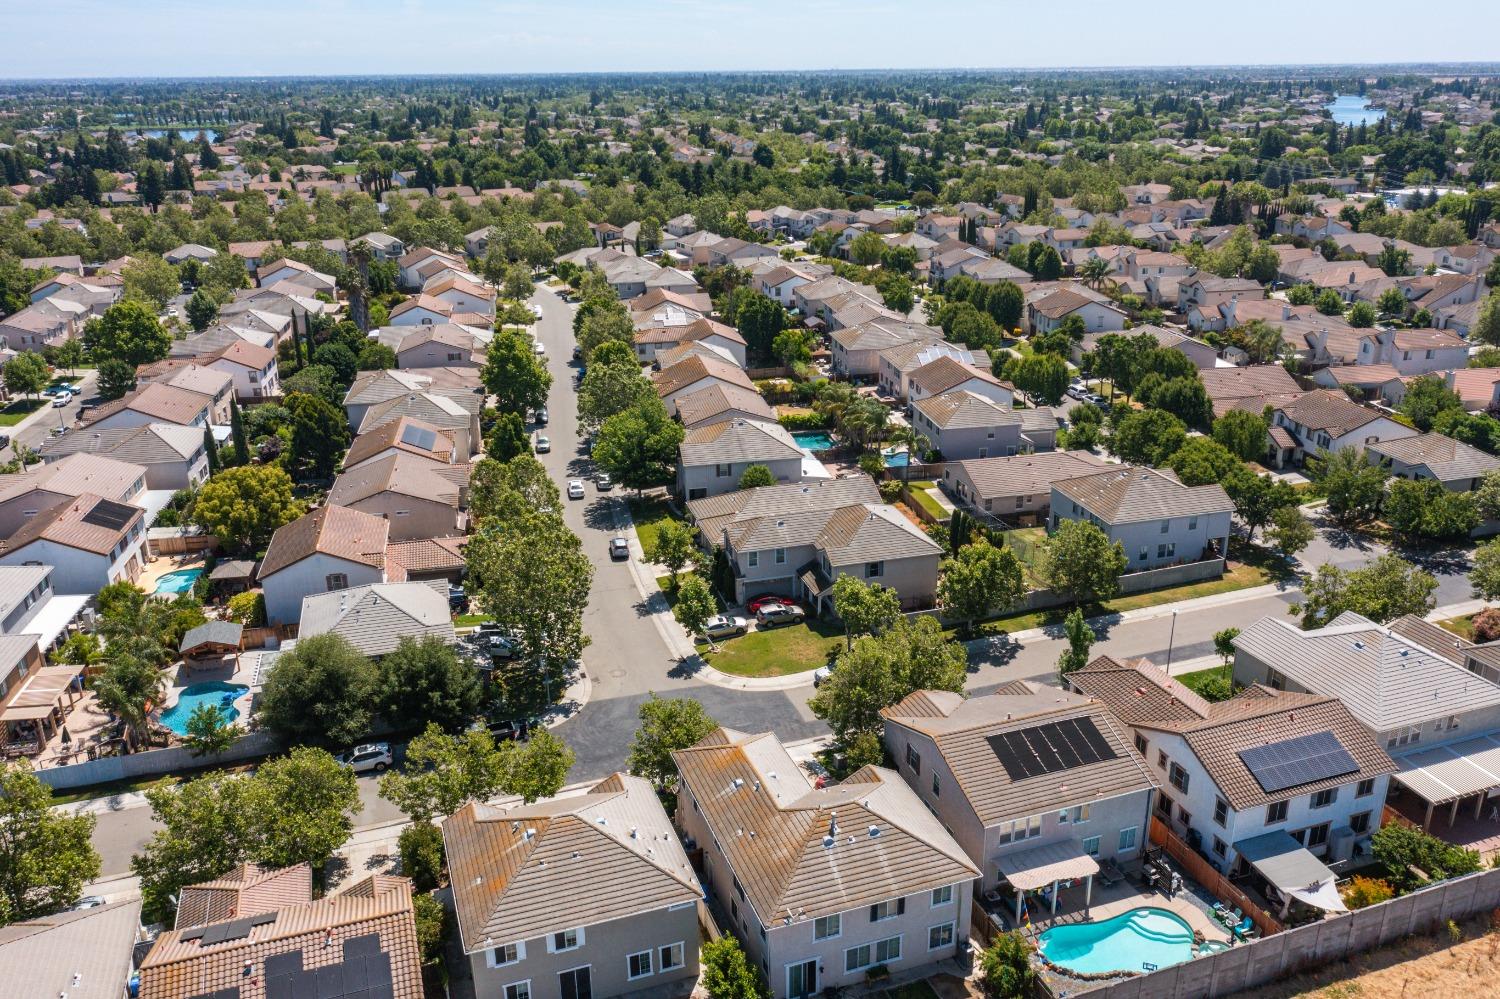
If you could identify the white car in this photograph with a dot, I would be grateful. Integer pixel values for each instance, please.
(374, 756)
(725, 626)
(539, 348)
(575, 489)
(543, 444)
(61, 399)
(822, 673)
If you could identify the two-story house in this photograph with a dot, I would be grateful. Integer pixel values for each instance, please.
(173, 457)
(1036, 784)
(253, 368)
(1158, 520)
(1327, 420)
(821, 884)
(1263, 783)
(330, 548)
(1015, 489)
(961, 424)
(89, 541)
(578, 897)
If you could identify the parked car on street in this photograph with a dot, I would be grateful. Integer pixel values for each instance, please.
(59, 401)
(575, 489)
(774, 614)
(374, 756)
(543, 444)
(725, 626)
(619, 548)
(458, 600)
(541, 416)
(604, 482)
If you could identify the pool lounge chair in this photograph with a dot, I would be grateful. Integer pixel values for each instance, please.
(1109, 873)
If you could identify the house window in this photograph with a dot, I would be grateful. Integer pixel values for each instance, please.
(857, 958)
(1178, 778)
(936, 788)
(499, 957)
(1322, 799)
(1166, 525)
(942, 896)
(1141, 745)
(1161, 759)
(913, 759)
(336, 581)
(455, 356)
(1276, 812)
(881, 911)
(753, 558)
(518, 990)
(1168, 550)
(565, 941)
(1091, 846)
(888, 950)
(1404, 737)
(1192, 523)
(723, 471)
(780, 556)
(1184, 816)
(1127, 840)
(1143, 554)
(1317, 835)
(1077, 815)
(874, 570)
(1365, 788)
(827, 927)
(940, 936)
(1164, 805)
(638, 965)
(1020, 829)
(1219, 847)
(670, 957)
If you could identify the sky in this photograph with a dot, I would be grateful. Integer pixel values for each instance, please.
(165, 38)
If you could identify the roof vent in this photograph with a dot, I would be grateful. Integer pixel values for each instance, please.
(603, 821)
(827, 842)
(874, 831)
(1359, 645)
(633, 832)
(529, 834)
(737, 783)
(756, 784)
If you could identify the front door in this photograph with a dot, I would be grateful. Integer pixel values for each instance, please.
(801, 979)
(575, 984)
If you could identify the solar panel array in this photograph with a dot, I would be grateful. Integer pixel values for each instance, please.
(107, 513)
(420, 437)
(235, 929)
(1294, 762)
(1050, 748)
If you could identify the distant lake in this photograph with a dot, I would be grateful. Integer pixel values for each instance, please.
(1351, 109)
(183, 133)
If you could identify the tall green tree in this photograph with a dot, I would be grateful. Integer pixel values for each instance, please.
(1080, 639)
(443, 772)
(880, 670)
(513, 374)
(26, 374)
(667, 725)
(244, 506)
(695, 605)
(1354, 485)
(129, 332)
(1243, 433)
(638, 447)
(865, 608)
(322, 692)
(1080, 563)
(1382, 591)
(424, 681)
(979, 581)
(320, 433)
(307, 802)
(46, 855)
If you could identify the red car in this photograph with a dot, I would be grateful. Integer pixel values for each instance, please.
(754, 604)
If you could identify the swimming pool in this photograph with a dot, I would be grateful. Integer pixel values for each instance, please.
(1128, 942)
(814, 440)
(221, 695)
(180, 581)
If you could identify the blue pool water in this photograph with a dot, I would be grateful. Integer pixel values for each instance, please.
(1351, 109)
(189, 134)
(221, 695)
(1127, 942)
(814, 440)
(180, 581)
(897, 459)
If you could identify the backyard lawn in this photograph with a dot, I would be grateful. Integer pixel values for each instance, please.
(19, 410)
(919, 495)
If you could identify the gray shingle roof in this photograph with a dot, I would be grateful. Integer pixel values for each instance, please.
(1027, 474)
(1132, 494)
(41, 957)
(376, 617)
(737, 440)
(1447, 459)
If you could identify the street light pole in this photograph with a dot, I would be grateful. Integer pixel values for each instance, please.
(1171, 637)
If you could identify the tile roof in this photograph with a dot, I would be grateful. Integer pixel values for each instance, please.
(1255, 379)
(1447, 459)
(959, 410)
(427, 554)
(404, 474)
(680, 376)
(1329, 411)
(702, 406)
(369, 926)
(1027, 474)
(802, 852)
(329, 530)
(737, 440)
(82, 955)
(159, 401)
(407, 435)
(85, 522)
(713, 513)
(151, 444)
(244, 891)
(375, 617)
(1256, 716)
(882, 334)
(945, 373)
(518, 871)
(698, 329)
(961, 729)
(870, 532)
(449, 412)
(78, 474)
(1132, 494)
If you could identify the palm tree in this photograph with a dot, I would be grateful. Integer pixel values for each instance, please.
(1094, 271)
(129, 687)
(914, 443)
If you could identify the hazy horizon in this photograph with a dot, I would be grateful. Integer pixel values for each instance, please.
(173, 39)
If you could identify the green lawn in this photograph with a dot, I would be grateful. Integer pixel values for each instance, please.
(1463, 627)
(1212, 684)
(781, 651)
(649, 516)
(19, 410)
(469, 620)
(920, 496)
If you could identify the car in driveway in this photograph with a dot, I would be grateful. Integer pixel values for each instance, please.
(725, 626)
(458, 600)
(603, 482)
(505, 729)
(372, 756)
(543, 444)
(575, 489)
(619, 548)
(754, 604)
(773, 614)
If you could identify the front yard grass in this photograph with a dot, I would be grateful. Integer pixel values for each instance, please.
(780, 651)
(19, 410)
(649, 516)
(1463, 626)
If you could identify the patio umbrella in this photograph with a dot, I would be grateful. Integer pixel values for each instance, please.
(67, 737)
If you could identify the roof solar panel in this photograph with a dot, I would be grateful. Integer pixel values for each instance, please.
(420, 437)
(1050, 748)
(1301, 760)
(109, 514)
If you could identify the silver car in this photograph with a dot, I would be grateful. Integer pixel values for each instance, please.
(543, 444)
(725, 626)
(374, 756)
(575, 489)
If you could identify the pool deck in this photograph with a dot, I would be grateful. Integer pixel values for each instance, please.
(165, 565)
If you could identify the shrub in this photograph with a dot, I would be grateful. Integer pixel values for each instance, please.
(871, 465)
(890, 492)
(1361, 892)
(432, 927)
(421, 850)
(1007, 971)
(1487, 625)
(248, 608)
(811, 420)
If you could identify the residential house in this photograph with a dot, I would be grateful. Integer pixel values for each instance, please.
(779, 282)
(960, 424)
(421, 498)
(1016, 489)
(856, 349)
(404, 436)
(252, 367)
(38, 326)
(1036, 784)
(421, 310)
(375, 617)
(371, 388)
(1458, 466)
(1422, 351)
(190, 251)
(820, 884)
(1371, 381)
(382, 246)
(297, 273)
(453, 412)
(429, 558)
(1327, 421)
(726, 340)
(1158, 520)
(462, 295)
(694, 375)
(151, 403)
(712, 514)
(946, 373)
(217, 386)
(274, 939)
(327, 549)
(1267, 775)
(719, 403)
(712, 457)
(898, 364)
(173, 457)
(78, 953)
(1046, 314)
(528, 931)
(1202, 355)
(433, 346)
(412, 274)
(89, 541)
(24, 495)
(1250, 387)
(1479, 388)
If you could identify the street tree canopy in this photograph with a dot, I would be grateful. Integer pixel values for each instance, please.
(46, 856)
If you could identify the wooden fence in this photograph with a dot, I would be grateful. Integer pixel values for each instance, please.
(1203, 872)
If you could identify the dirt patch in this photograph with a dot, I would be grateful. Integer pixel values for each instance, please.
(1440, 965)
